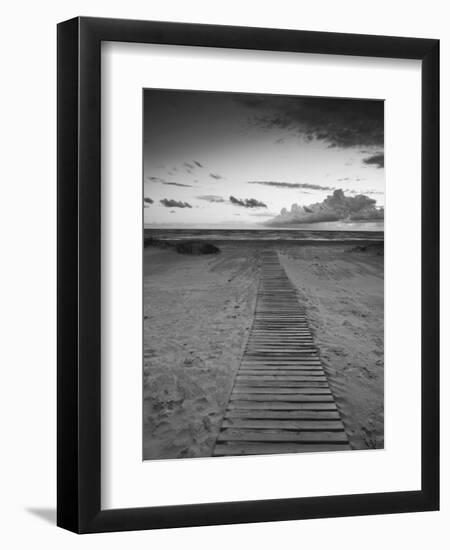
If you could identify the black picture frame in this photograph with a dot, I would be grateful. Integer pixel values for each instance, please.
(79, 281)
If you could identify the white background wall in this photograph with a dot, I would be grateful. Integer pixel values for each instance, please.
(28, 269)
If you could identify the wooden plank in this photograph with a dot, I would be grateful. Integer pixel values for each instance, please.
(276, 332)
(232, 434)
(269, 335)
(296, 371)
(281, 406)
(280, 362)
(261, 367)
(281, 317)
(258, 424)
(280, 339)
(280, 383)
(268, 363)
(298, 348)
(280, 343)
(281, 378)
(281, 391)
(282, 347)
(253, 448)
(288, 319)
(283, 361)
(286, 368)
(298, 353)
(293, 357)
(279, 351)
(293, 415)
(279, 372)
(285, 398)
(280, 334)
(292, 325)
(280, 359)
(264, 340)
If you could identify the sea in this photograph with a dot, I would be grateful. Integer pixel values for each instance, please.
(265, 235)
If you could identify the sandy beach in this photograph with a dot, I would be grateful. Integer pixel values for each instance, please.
(343, 290)
(197, 314)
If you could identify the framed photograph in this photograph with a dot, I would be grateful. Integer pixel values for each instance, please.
(248, 255)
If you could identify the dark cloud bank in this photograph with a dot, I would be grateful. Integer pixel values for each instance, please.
(339, 122)
(336, 207)
(247, 203)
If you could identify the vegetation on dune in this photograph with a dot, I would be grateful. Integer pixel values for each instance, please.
(184, 247)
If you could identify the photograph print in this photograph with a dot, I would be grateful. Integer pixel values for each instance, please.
(263, 274)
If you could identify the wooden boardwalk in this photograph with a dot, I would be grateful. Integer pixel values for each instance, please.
(280, 401)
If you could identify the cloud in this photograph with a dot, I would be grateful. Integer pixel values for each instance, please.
(288, 185)
(336, 207)
(247, 203)
(148, 200)
(337, 121)
(216, 176)
(211, 198)
(377, 159)
(165, 182)
(171, 203)
(175, 183)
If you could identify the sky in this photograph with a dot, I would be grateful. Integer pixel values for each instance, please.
(214, 159)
